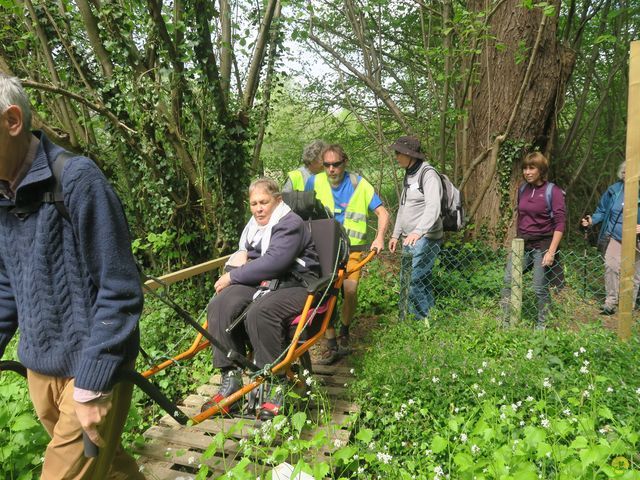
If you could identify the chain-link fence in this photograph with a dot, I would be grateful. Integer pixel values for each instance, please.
(512, 285)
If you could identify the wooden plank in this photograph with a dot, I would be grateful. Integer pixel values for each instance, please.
(331, 412)
(162, 471)
(185, 273)
(189, 458)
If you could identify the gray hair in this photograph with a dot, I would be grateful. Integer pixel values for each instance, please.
(267, 184)
(621, 169)
(312, 151)
(12, 93)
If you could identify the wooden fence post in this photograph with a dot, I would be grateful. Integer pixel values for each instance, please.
(517, 259)
(630, 215)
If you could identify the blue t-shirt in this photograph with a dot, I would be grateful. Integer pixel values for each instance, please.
(342, 194)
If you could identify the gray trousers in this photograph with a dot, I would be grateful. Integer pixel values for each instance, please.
(265, 326)
(612, 274)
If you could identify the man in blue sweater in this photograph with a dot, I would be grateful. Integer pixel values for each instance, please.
(69, 283)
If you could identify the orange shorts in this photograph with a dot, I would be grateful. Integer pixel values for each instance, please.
(354, 259)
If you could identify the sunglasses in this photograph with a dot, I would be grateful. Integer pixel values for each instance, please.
(335, 164)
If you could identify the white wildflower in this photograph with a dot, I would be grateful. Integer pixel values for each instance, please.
(546, 383)
(529, 398)
(438, 470)
(338, 443)
(475, 449)
(454, 376)
(514, 407)
(584, 369)
(485, 364)
(609, 390)
(502, 416)
(545, 423)
(566, 412)
(586, 394)
(360, 470)
(481, 393)
(435, 379)
(352, 371)
(463, 437)
(384, 457)
(493, 380)
(480, 370)
(502, 374)
(522, 424)
(582, 350)
(411, 401)
(305, 372)
(529, 354)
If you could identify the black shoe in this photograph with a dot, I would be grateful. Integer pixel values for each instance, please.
(606, 310)
(274, 399)
(231, 381)
(331, 356)
(344, 346)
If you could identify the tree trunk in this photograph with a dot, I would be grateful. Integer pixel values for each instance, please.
(519, 74)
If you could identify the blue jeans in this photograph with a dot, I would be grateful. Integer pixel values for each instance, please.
(416, 291)
(541, 278)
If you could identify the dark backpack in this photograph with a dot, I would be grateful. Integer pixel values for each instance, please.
(548, 196)
(451, 202)
(306, 205)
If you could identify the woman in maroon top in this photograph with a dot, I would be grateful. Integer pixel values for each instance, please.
(541, 223)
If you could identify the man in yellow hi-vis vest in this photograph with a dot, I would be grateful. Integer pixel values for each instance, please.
(312, 164)
(350, 197)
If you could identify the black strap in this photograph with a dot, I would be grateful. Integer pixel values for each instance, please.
(55, 195)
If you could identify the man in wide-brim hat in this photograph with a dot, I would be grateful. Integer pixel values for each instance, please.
(418, 225)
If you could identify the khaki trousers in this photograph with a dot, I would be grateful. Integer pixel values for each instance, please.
(64, 458)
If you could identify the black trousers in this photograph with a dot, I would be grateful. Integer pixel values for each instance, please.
(265, 326)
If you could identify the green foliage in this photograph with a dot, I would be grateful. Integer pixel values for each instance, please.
(470, 399)
(22, 438)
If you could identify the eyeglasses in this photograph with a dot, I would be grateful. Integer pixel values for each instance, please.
(334, 164)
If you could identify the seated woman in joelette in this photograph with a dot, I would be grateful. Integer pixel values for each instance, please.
(275, 245)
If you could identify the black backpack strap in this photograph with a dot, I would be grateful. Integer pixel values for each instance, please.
(55, 195)
(421, 177)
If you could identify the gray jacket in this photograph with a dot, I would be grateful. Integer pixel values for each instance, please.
(419, 213)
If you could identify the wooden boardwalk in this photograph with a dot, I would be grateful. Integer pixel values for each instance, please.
(174, 452)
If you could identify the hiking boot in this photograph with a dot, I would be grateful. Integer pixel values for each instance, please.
(344, 347)
(274, 399)
(330, 356)
(607, 310)
(231, 381)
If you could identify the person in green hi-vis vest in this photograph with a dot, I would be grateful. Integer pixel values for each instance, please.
(312, 165)
(350, 198)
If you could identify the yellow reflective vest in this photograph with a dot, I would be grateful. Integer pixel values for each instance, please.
(297, 180)
(355, 215)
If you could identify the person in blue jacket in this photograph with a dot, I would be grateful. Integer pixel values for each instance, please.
(609, 214)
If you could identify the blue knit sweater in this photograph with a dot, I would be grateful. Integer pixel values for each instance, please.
(70, 287)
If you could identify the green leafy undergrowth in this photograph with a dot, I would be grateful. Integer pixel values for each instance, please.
(471, 400)
(22, 438)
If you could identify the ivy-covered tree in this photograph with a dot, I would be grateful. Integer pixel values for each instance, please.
(162, 94)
